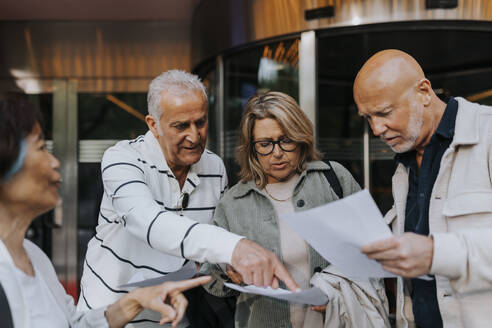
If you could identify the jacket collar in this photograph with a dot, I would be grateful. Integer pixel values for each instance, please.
(153, 151)
(466, 133)
(243, 188)
(467, 123)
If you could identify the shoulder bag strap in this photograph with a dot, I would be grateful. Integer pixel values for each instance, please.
(332, 178)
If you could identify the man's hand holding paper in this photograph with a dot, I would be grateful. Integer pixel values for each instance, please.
(408, 255)
(339, 229)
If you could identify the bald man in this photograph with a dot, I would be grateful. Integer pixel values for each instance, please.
(442, 188)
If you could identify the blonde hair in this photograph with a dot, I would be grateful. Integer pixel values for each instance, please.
(293, 121)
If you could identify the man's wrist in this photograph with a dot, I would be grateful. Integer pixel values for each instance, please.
(217, 243)
(234, 249)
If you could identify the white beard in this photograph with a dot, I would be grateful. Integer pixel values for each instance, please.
(413, 130)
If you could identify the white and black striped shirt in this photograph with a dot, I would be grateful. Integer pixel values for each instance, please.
(140, 234)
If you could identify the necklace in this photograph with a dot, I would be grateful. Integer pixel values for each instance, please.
(278, 200)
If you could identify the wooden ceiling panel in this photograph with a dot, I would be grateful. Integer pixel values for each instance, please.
(96, 10)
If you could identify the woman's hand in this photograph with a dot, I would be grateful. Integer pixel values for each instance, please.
(234, 275)
(166, 299)
(319, 308)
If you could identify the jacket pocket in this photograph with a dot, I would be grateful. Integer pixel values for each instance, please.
(468, 203)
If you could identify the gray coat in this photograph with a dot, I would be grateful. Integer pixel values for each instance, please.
(246, 211)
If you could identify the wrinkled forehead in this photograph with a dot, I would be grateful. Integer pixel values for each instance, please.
(379, 92)
(183, 108)
(180, 96)
(373, 97)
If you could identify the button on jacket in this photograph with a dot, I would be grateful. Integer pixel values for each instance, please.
(140, 232)
(460, 221)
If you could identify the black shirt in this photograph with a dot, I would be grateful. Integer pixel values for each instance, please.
(420, 185)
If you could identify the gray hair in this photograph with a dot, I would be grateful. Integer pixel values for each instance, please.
(176, 81)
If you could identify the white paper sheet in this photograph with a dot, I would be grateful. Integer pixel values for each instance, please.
(186, 272)
(339, 229)
(311, 296)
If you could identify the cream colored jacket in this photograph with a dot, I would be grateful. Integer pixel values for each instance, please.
(460, 220)
(360, 303)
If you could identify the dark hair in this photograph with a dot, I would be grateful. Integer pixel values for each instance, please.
(17, 120)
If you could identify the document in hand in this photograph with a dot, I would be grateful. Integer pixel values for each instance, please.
(339, 229)
(186, 272)
(311, 296)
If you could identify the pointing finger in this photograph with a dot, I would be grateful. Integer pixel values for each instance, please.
(187, 284)
(281, 272)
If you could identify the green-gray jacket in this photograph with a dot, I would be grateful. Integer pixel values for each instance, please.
(246, 211)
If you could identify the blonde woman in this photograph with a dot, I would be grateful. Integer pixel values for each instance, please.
(280, 173)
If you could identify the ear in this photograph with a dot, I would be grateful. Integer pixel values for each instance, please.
(152, 124)
(424, 92)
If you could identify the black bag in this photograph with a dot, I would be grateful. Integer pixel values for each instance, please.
(332, 178)
(208, 311)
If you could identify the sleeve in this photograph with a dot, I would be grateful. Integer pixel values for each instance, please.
(88, 319)
(216, 286)
(212, 243)
(94, 318)
(125, 184)
(465, 258)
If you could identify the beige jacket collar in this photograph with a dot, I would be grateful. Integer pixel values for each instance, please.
(466, 132)
(467, 127)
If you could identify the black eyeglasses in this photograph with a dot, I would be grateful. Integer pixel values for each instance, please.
(266, 147)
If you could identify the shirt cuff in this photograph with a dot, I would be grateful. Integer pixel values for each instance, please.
(97, 318)
(215, 244)
(449, 255)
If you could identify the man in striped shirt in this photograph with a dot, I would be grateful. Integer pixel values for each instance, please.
(160, 192)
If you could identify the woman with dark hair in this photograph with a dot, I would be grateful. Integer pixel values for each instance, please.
(280, 173)
(29, 183)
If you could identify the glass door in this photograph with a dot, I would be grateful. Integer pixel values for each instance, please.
(107, 111)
